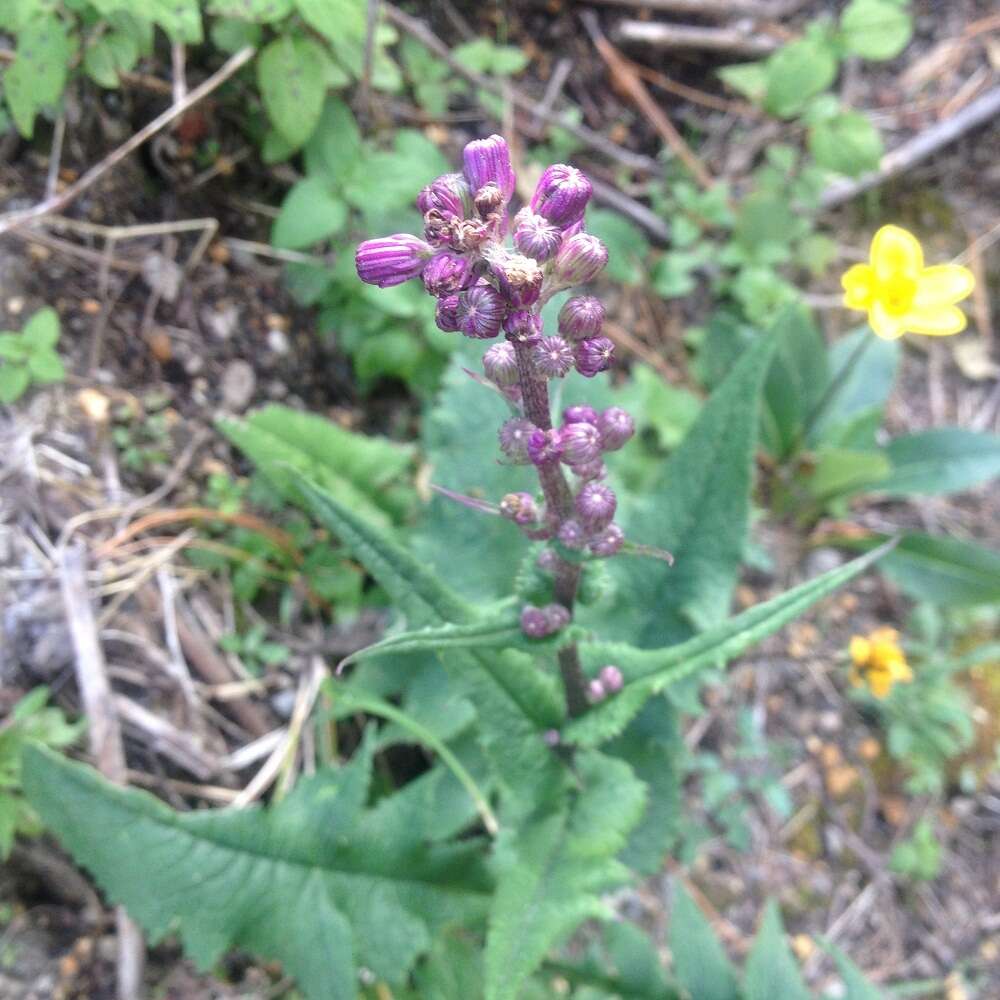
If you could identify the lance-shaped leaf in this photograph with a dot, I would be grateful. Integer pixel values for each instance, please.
(648, 671)
(317, 882)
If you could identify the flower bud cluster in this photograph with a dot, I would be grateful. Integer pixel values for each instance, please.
(608, 681)
(538, 623)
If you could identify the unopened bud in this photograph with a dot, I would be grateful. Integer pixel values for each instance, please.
(591, 471)
(514, 436)
(594, 356)
(534, 622)
(581, 444)
(612, 679)
(523, 326)
(557, 616)
(572, 534)
(392, 260)
(562, 195)
(519, 508)
(449, 195)
(553, 357)
(579, 415)
(547, 560)
(488, 161)
(608, 542)
(616, 427)
(480, 312)
(595, 691)
(544, 447)
(596, 505)
(518, 278)
(446, 273)
(500, 363)
(535, 236)
(446, 314)
(581, 317)
(580, 259)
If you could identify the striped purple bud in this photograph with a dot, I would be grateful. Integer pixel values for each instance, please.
(446, 272)
(449, 196)
(594, 356)
(596, 504)
(595, 691)
(486, 161)
(572, 534)
(544, 447)
(535, 236)
(391, 260)
(553, 356)
(519, 508)
(581, 443)
(616, 427)
(580, 415)
(581, 317)
(519, 278)
(514, 435)
(446, 314)
(558, 616)
(591, 471)
(480, 312)
(580, 259)
(523, 326)
(611, 678)
(608, 542)
(562, 195)
(500, 363)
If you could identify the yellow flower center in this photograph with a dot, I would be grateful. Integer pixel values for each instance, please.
(896, 293)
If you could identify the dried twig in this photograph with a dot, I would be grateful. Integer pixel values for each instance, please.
(166, 739)
(55, 204)
(55, 154)
(745, 40)
(767, 10)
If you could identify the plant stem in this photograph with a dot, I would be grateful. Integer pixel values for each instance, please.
(559, 503)
(835, 387)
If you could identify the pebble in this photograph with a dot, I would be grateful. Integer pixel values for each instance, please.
(238, 385)
(822, 560)
(277, 341)
(163, 275)
(221, 321)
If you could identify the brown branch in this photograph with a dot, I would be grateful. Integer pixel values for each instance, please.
(747, 40)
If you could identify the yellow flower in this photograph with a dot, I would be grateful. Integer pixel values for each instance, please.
(879, 662)
(900, 295)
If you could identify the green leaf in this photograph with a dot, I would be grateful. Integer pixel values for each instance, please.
(640, 971)
(46, 366)
(483, 55)
(13, 347)
(627, 247)
(42, 330)
(337, 20)
(847, 143)
(257, 11)
(292, 76)
(610, 806)
(943, 460)
(855, 983)
(334, 150)
(14, 379)
(310, 212)
(771, 970)
(230, 34)
(845, 471)
(797, 72)
(113, 53)
(316, 882)
(648, 671)
(38, 74)
(180, 19)
(876, 29)
(748, 79)
(699, 960)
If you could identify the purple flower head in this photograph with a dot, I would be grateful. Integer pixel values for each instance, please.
(596, 504)
(480, 312)
(572, 534)
(616, 427)
(446, 272)
(591, 471)
(580, 259)
(595, 691)
(518, 278)
(391, 260)
(561, 195)
(514, 435)
(446, 314)
(608, 542)
(535, 236)
(579, 415)
(612, 679)
(594, 356)
(449, 196)
(553, 356)
(581, 317)
(581, 443)
(544, 447)
(488, 160)
(523, 326)
(500, 364)
(519, 508)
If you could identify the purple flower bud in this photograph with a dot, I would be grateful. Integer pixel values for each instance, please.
(591, 471)
(519, 278)
(608, 542)
(446, 314)
(519, 508)
(553, 356)
(572, 534)
(500, 363)
(514, 436)
(595, 691)
(580, 415)
(580, 259)
(547, 560)
(562, 195)
(551, 737)
(449, 195)
(594, 356)
(581, 443)
(446, 272)
(391, 260)
(611, 678)
(581, 317)
(480, 312)
(523, 326)
(535, 236)
(558, 617)
(544, 447)
(534, 622)
(616, 427)
(487, 160)
(596, 504)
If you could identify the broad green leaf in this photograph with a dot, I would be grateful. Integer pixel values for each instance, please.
(180, 19)
(876, 29)
(748, 79)
(844, 471)
(14, 379)
(612, 802)
(943, 460)
(310, 212)
(648, 671)
(627, 247)
(316, 882)
(334, 149)
(847, 143)
(258, 11)
(37, 76)
(292, 76)
(699, 960)
(42, 330)
(771, 971)
(453, 970)
(46, 366)
(13, 347)
(795, 73)
(483, 55)
(113, 53)
(763, 224)
(337, 20)
(230, 34)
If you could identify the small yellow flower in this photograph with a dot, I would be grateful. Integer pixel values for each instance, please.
(900, 295)
(879, 662)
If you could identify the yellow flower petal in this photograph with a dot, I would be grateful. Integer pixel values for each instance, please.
(941, 321)
(859, 286)
(885, 633)
(894, 251)
(880, 684)
(884, 323)
(942, 285)
(860, 649)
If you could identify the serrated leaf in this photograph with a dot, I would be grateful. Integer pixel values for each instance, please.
(648, 671)
(309, 212)
(606, 811)
(771, 970)
(38, 74)
(699, 960)
(292, 76)
(942, 460)
(312, 882)
(876, 29)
